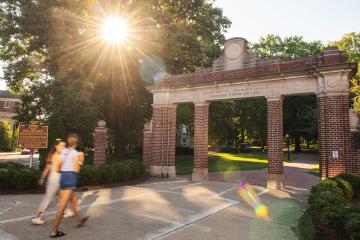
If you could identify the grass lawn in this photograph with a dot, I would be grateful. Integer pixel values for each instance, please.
(219, 162)
(315, 171)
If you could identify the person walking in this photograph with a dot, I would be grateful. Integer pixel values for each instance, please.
(71, 161)
(51, 171)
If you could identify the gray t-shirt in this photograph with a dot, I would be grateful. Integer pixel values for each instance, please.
(68, 160)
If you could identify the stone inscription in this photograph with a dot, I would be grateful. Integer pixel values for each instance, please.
(236, 93)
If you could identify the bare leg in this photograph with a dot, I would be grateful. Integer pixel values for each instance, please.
(64, 198)
(74, 201)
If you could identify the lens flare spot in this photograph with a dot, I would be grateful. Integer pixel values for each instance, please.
(248, 194)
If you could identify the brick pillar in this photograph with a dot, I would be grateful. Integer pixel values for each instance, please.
(275, 143)
(100, 143)
(355, 149)
(334, 134)
(163, 141)
(322, 134)
(200, 170)
(147, 146)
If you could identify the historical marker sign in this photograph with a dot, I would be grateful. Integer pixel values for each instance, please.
(33, 136)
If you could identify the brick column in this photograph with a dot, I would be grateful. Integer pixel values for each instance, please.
(200, 170)
(163, 141)
(321, 102)
(100, 143)
(147, 146)
(275, 143)
(355, 148)
(337, 134)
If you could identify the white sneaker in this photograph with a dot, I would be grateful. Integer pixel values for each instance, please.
(37, 221)
(68, 213)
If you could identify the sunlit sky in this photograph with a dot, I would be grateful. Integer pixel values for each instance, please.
(325, 20)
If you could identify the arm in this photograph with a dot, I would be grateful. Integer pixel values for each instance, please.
(81, 158)
(45, 173)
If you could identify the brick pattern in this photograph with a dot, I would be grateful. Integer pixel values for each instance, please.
(275, 136)
(322, 135)
(201, 135)
(10, 106)
(329, 57)
(147, 149)
(355, 151)
(100, 146)
(334, 134)
(164, 135)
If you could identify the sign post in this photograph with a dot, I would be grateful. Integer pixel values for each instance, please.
(32, 136)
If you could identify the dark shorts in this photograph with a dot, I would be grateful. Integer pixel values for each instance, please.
(68, 180)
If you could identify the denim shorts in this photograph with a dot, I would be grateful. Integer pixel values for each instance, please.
(68, 180)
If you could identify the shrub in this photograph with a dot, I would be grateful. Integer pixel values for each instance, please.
(107, 174)
(354, 181)
(352, 226)
(137, 168)
(333, 215)
(89, 175)
(345, 187)
(5, 136)
(305, 227)
(324, 194)
(327, 202)
(19, 177)
(123, 171)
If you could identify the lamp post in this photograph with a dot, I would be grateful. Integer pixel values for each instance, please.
(287, 141)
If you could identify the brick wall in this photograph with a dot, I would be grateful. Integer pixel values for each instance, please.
(355, 148)
(164, 135)
(322, 135)
(331, 56)
(100, 145)
(275, 136)
(201, 135)
(334, 135)
(11, 108)
(147, 149)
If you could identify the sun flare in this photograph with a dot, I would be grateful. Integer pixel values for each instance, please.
(115, 30)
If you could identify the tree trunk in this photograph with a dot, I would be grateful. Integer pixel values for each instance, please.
(297, 144)
(120, 146)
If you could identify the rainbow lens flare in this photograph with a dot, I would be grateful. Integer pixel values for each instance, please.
(248, 194)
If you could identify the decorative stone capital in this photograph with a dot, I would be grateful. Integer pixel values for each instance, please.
(101, 124)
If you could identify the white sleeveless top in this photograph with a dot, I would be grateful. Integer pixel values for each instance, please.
(68, 158)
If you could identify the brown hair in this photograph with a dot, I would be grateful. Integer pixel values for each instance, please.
(53, 149)
(73, 139)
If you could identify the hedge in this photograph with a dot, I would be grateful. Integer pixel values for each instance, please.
(333, 204)
(18, 177)
(111, 173)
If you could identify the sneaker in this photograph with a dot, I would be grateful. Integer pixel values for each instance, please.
(68, 213)
(37, 221)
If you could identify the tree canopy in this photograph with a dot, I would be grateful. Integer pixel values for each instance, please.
(66, 74)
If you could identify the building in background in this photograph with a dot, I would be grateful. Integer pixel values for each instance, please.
(7, 106)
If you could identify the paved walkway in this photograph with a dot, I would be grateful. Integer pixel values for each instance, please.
(297, 178)
(161, 209)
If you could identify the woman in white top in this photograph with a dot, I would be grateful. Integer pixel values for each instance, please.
(51, 171)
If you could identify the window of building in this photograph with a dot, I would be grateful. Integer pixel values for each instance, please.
(6, 104)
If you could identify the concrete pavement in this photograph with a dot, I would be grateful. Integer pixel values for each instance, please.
(177, 209)
(173, 209)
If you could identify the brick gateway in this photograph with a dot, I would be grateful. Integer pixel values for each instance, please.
(239, 74)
